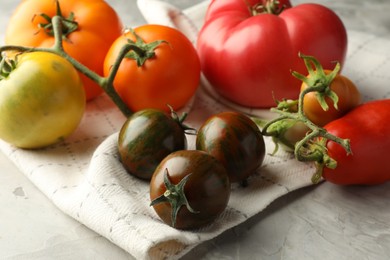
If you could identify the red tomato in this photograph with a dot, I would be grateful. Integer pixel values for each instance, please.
(368, 129)
(170, 73)
(248, 57)
(98, 25)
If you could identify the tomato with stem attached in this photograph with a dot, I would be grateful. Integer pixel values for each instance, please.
(367, 127)
(89, 27)
(162, 68)
(340, 96)
(189, 189)
(41, 99)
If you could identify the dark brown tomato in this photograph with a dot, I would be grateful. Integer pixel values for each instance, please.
(146, 138)
(207, 189)
(235, 140)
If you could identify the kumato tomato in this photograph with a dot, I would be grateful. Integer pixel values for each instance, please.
(147, 137)
(189, 189)
(235, 140)
(41, 100)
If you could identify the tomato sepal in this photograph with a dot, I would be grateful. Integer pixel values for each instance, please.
(318, 77)
(69, 24)
(175, 196)
(312, 147)
(142, 51)
(6, 66)
(180, 121)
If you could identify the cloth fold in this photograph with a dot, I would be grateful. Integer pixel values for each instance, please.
(85, 179)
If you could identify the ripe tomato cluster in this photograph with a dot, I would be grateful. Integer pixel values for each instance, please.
(160, 66)
(330, 126)
(190, 188)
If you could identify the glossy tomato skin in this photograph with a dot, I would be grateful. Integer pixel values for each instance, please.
(368, 128)
(170, 77)
(207, 189)
(235, 140)
(98, 26)
(42, 101)
(146, 138)
(248, 59)
(349, 98)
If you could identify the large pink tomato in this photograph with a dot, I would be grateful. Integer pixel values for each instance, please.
(248, 48)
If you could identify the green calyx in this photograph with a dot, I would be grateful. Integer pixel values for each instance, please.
(278, 132)
(7, 65)
(142, 51)
(69, 24)
(312, 147)
(269, 7)
(318, 77)
(175, 196)
(180, 120)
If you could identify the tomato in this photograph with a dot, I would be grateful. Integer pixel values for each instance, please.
(169, 72)
(348, 98)
(41, 101)
(235, 140)
(247, 52)
(189, 189)
(368, 129)
(146, 138)
(97, 26)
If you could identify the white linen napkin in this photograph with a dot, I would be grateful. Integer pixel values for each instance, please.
(84, 178)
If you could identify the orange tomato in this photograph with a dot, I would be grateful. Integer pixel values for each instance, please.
(347, 92)
(169, 76)
(98, 25)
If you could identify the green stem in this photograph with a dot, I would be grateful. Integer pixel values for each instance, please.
(267, 7)
(107, 84)
(312, 147)
(175, 196)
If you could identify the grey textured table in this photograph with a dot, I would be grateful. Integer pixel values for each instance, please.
(321, 222)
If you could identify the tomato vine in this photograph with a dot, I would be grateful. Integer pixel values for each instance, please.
(312, 147)
(106, 83)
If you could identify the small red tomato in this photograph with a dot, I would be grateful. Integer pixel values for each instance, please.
(368, 129)
(189, 189)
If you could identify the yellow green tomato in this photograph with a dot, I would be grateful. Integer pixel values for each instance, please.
(42, 100)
